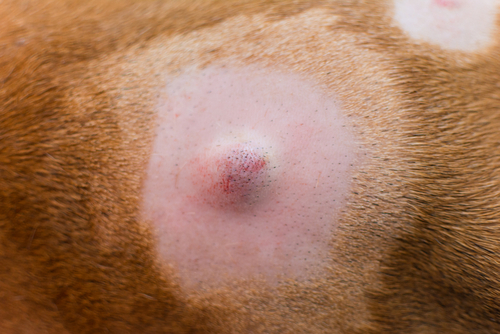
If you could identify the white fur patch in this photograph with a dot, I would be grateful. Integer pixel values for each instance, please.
(466, 25)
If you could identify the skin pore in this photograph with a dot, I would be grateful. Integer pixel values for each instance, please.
(371, 206)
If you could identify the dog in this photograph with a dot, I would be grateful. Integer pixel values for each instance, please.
(249, 166)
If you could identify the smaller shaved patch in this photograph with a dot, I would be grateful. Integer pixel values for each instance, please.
(466, 25)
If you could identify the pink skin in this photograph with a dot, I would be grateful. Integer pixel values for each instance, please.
(278, 224)
(235, 177)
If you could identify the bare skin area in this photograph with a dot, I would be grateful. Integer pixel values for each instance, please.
(466, 25)
(281, 226)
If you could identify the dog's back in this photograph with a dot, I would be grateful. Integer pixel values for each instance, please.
(380, 142)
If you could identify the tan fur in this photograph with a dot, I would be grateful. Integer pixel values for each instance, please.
(418, 246)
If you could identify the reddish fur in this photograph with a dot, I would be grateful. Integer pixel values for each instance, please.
(74, 257)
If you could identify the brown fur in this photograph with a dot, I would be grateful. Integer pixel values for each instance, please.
(418, 243)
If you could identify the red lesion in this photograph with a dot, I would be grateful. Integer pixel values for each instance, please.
(447, 3)
(241, 172)
(233, 175)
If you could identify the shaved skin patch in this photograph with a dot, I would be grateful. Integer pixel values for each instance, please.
(248, 176)
(465, 25)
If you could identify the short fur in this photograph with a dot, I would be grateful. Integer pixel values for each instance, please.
(418, 246)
